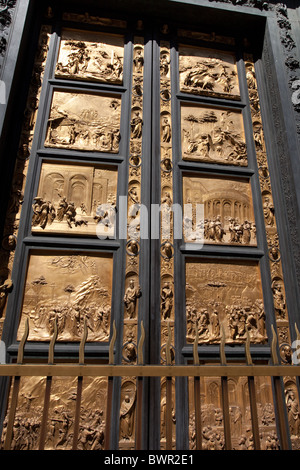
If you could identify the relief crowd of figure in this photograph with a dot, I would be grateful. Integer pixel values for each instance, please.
(237, 319)
(88, 302)
(213, 230)
(204, 76)
(242, 437)
(45, 213)
(213, 137)
(90, 62)
(26, 430)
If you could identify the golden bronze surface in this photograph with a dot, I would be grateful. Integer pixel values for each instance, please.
(84, 121)
(75, 199)
(133, 290)
(212, 417)
(228, 210)
(67, 289)
(208, 72)
(228, 294)
(90, 56)
(61, 414)
(212, 135)
(127, 414)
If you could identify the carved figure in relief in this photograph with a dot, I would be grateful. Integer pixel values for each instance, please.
(212, 136)
(203, 323)
(166, 134)
(164, 64)
(130, 298)
(215, 324)
(279, 300)
(5, 289)
(293, 412)
(203, 71)
(272, 442)
(75, 122)
(127, 411)
(136, 126)
(166, 300)
(138, 61)
(269, 215)
(89, 56)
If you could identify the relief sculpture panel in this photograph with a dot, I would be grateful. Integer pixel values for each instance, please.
(69, 290)
(208, 72)
(228, 210)
(224, 294)
(83, 121)
(212, 419)
(75, 199)
(90, 56)
(61, 420)
(212, 135)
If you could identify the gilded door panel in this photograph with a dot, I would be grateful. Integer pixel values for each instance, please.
(212, 135)
(84, 121)
(92, 56)
(212, 421)
(227, 210)
(61, 414)
(224, 296)
(68, 289)
(208, 72)
(76, 199)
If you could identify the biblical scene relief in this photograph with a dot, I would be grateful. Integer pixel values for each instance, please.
(224, 295)
(83, 121)
(68, 290)
(212, 135)
(208, 72)
(76, 199)
(60, 426)
(212, 421)
(228, 210)
(90, 56)
(127, 415)
(293, 410)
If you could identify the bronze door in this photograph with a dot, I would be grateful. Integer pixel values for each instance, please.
(147, 214)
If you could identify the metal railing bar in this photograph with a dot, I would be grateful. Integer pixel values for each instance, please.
(168, 393)
(198, 424)
(44, 421)
(109, 389)
(169, 413)
(252, 398)
(15, 391)
(12, 413)
(197, 395)
(79, 388)
(77, 412)
(226, 415)
(224, 393)
(253, 410)
(107, 370)
(139, 392)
